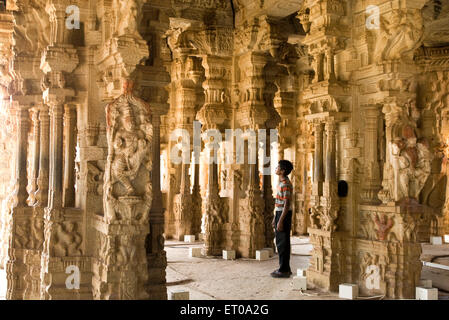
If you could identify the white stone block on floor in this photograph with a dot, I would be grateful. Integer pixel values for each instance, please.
(424, 283)
(262, 255)
(195, 252)
(270, 251)
(446, 238)
(299, 283)
(348, 291)
(189, 238)
(229, 254)
(178, 295)
(301, 273)
(426, 293)
(436, 240)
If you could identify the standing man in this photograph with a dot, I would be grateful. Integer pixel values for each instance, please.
(282, 221)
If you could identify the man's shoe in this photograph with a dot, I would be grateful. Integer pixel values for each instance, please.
(278, 274)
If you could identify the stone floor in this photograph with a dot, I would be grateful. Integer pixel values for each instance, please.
(440, 278)
(241, 279)
(248, 279)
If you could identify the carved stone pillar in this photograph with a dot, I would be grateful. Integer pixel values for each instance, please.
(212, 115)
(56, 154)
(69, 155)
(253, 114)
(372, 183)
(214, 220)
(267, 191)
(34, 156)
(196, 201)
(125, 233)
(330, 181)
(32, 256)
(43, 178)
(156, 255)
(58, 61)
(19, 224)
(185, 98)
(317, 188)
(328, 254)
(20, 177)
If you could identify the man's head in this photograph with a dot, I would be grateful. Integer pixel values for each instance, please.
(128, 119)
(284, 168)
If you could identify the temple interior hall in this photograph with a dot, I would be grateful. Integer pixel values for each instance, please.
(140, 139)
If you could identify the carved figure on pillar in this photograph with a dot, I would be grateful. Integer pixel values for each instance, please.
(411, 165)
(129, 134)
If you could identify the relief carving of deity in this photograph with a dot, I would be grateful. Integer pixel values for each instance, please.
(411, 160)
(127, 18)
(130, 139)
(398, 36)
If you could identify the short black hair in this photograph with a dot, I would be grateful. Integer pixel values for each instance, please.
(286, 165)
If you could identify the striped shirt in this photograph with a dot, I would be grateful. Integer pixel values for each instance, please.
(285, 190)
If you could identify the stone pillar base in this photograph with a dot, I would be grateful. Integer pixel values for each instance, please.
(388, 251)
(328, 263)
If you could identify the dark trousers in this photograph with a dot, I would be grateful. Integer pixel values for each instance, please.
(283, 241)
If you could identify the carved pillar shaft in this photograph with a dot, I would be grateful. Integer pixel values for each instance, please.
(212, 183)
(18, 224)
(186, 98)
(35, 157)
(268, 196)
(69, 155)
(56, 155)
(372, 183)
(196, 201)
(318, 161)
(42, 191)
(156, 256)
(331, 166)
(21, 155)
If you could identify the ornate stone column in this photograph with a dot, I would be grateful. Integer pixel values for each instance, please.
(34, 156)
(69, 155)
(273, 123)
(56, 152)
(330, 181)
(253, 115)
(212, 115)
(372, 183)
(6, 57)
(267, 192)
(19, 224)
(57, 61)
(317, 187)
(196, 199)
(124, 230)
(185, 98)
(20, 177)
(154, 245)
(43, 177)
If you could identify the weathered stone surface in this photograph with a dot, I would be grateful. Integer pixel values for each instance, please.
(359, 101)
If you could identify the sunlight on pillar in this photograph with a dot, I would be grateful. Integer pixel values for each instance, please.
(275, 159)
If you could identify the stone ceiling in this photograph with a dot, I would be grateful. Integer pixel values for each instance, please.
(275, 8)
